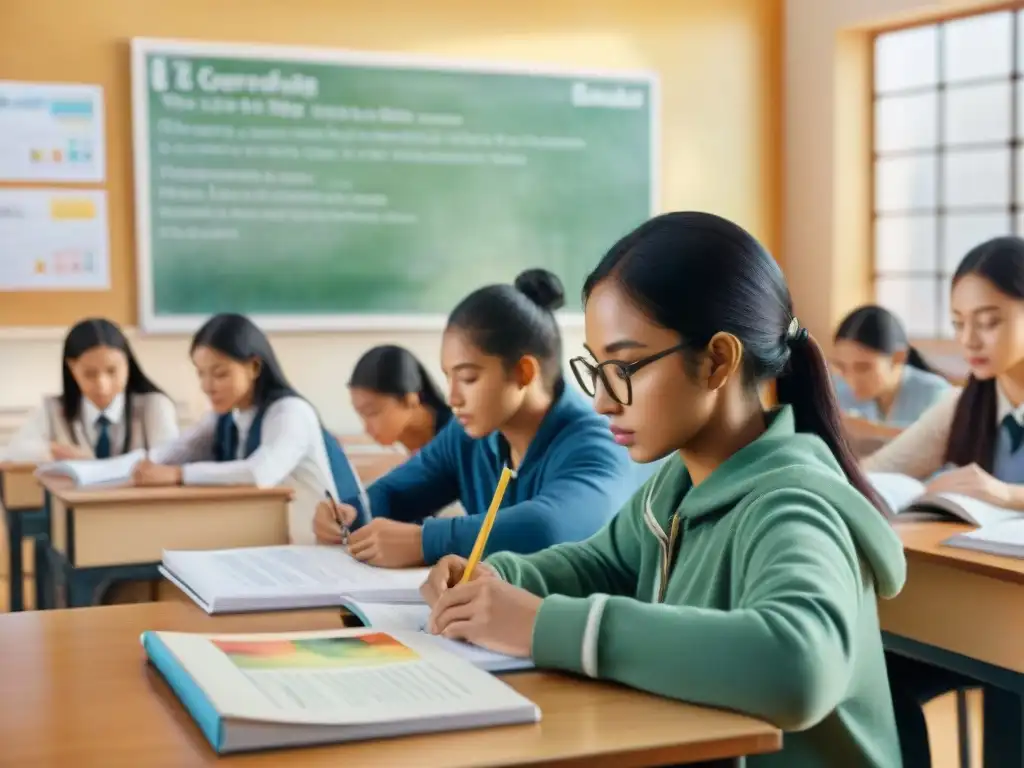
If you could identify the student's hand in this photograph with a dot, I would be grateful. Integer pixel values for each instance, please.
(388, 544)
(487, 612)
(325, 524)
(972, 481)
(148, 473)
(64, 452)
(446, 573)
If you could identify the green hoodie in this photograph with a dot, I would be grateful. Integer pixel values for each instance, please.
(754, 591)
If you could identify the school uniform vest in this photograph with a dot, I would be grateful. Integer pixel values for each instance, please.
(225, 448)
(1008, 458)
(135, 438)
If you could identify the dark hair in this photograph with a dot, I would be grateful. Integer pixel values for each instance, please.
(395, 371)
(510, 321)
(879, 329)
(239, 338)
(89, 334)
(698, 274)
(973, 433)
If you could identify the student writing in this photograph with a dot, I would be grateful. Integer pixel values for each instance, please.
(107, 405)
(744, 575)
(969, 443)
(881, 377)
(501, 352)
(260, 431)
(396, 399)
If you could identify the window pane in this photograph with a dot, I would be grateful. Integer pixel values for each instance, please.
(908, 58)
(905, 183)
(945, 314)
(978, 46)
(1019, 230)
(973, 114)
(913, 300)
(906, 122)
(905, 244)
(1019, 85)
(961, 232)
(976, 178)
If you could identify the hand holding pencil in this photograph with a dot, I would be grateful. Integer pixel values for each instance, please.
(332, 521)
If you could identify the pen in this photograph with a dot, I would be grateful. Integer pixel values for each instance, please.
(485, 530)
(337, 518)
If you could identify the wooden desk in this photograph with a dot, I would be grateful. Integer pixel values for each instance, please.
(100, 534)
(964, 611)
(26, 522)
(75, 690)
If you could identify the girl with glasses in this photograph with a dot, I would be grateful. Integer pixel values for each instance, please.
(744, 575)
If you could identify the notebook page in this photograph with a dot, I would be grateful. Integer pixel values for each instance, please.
(392, 617)
(982, 513)
(94, 471)
(897, 490)
(295, 570)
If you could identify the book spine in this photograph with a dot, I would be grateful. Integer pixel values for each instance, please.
(185, 688)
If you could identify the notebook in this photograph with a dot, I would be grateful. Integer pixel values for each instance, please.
(410, 617)
(285, 577)
(908, 501)
(1005, 538)
(94, 471)
(265, 691)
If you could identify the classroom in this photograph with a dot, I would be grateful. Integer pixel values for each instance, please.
(456, 384)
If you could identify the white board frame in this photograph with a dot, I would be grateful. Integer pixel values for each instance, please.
(141, 47)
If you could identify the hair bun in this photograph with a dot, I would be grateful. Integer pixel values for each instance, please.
(541, 287)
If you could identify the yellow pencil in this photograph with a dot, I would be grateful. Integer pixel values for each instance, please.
(485, 530)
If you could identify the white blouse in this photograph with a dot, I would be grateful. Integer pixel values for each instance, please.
(291, 453)
(154, 423)
(920, 450)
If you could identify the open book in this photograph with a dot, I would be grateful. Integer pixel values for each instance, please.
(909, 500)
(285, 577)
(408, 617)
(94, 471)
(249, 692)
(1005, 538)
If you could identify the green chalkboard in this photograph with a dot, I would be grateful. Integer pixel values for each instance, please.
(317, 189)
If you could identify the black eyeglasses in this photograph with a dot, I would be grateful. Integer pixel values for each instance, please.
(619, 384)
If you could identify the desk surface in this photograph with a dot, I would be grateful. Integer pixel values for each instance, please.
(18, 466)
(924, 541)
(65, 490)
(75, 690)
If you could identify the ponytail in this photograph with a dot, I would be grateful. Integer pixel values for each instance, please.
(916, 360)
(973, 433)
(806, 387)
(431, 395)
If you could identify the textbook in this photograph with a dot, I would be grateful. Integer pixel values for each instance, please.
(909, 501)
(266, 691)
(410, 617)
(94, 471)
(1005, 539)
(285, 577)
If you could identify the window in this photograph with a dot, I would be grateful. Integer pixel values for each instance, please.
(948, 123)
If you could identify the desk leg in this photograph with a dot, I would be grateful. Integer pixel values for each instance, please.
(42, 567)
(15, 570)
(1004, 729)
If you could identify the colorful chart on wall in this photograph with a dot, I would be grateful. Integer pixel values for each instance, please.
(321, 189)
(51, 132)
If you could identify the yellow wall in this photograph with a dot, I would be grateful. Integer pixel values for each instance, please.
(826, 238)
(719, 62)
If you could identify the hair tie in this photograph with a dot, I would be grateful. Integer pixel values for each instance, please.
(796, 334)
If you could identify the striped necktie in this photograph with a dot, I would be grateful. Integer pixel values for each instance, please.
(102, 449)
(1014, 430)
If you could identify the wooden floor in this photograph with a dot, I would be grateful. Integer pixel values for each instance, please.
(941, 712)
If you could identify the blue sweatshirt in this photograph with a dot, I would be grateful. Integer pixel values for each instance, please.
(571, 481)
